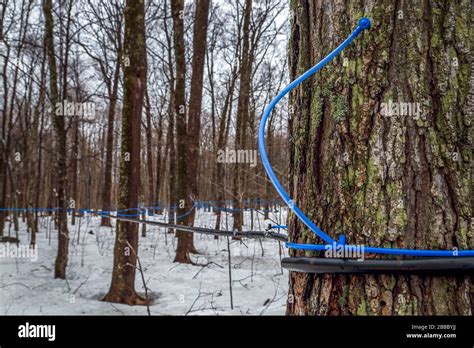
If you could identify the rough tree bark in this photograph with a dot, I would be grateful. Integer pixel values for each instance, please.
(61, 156)
(185, 239)
(195, 99)
(122, 289)
(400, 181)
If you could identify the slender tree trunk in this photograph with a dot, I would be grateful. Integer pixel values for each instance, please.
(61, 155)
(268, 188)
(74, 159)
(170, 136)
(159, 158)
(106, 193)
(4, 153)
(25, 127)
(122, 289)
(7, 117)
(221, 143)
(171, 154)
(39, 123)
(184, 204)
(394, 180)
(63, 70)
(242, 117)
(149, 153)
(148, 197)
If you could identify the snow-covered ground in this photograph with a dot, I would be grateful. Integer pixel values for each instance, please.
(259, 284)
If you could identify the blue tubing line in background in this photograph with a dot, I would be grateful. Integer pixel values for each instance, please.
(283, 227)
(364, 23)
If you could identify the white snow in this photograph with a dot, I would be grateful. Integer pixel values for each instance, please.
(259, 284)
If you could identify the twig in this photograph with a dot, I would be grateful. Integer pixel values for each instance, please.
(67, 283)
(204, 266)
(200, 294)
(143, 278)
(116, 309)
(272, 300)
(4, 286)
(144, 285)
(82, 283)
(230, 274)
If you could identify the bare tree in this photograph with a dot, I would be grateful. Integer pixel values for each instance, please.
(61, 164)
(188, 146)
(122, 288)
(241, 128)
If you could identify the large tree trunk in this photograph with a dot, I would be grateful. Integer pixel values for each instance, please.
(195, 100)
(61, 165)
(122, 289)
(400, 181)
(185, 239)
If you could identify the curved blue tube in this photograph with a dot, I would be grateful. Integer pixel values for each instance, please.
(364, 23)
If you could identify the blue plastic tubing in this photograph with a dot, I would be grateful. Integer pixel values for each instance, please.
(364, 23)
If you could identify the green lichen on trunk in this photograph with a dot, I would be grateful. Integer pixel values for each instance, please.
(393, 181)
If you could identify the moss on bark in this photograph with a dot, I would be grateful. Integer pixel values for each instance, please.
(394, 181)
